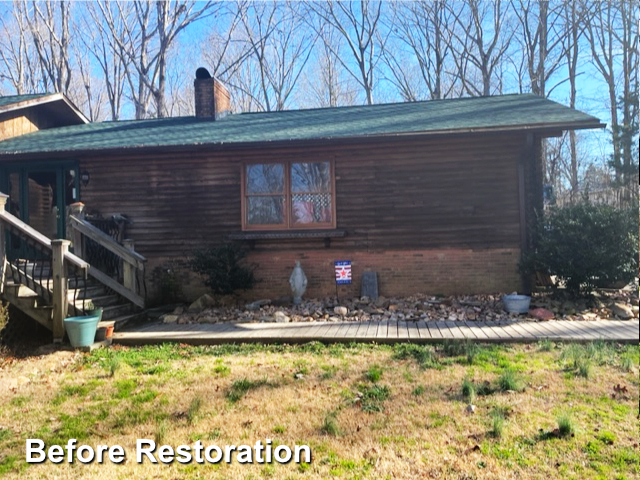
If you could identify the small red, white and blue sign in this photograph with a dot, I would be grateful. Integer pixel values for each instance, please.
(343, 272)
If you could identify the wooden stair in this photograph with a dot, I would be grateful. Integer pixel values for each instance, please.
(49, 283)
(115, 308)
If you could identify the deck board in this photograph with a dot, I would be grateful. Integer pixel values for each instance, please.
(384, 331)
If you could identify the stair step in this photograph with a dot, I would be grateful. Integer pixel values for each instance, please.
(21, 291)
(100, 301)
(122, 321)
(90, 292)
(114, 311)
(43, 308)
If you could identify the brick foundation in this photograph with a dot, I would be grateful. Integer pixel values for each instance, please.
(400, 273)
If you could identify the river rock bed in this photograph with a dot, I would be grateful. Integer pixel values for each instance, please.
(610, 304)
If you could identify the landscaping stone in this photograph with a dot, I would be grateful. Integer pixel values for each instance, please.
(170, 318)
(622, 311)
(205, 301)
(341, 311)
(457, 308)
(253, 306)
(281, 317)
(541, 314)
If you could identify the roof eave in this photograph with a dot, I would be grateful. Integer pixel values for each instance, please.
(54, 97)
(546, 129)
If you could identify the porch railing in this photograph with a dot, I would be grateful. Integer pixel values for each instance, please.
(48, 268)
(118, 267)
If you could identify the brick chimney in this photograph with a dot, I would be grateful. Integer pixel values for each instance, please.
(212, 97)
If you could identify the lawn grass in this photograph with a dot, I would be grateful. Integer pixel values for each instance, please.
(366, 411)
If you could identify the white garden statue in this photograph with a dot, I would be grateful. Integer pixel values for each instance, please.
(298, 282)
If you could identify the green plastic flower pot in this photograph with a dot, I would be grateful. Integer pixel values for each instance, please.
(81, 330)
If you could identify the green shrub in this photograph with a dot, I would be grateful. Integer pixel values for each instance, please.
(169, 283)
(586, 246)
(223, 268)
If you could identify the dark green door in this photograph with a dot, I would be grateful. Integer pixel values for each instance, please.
(39, 195)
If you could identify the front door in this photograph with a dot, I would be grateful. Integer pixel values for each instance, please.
(39, 195)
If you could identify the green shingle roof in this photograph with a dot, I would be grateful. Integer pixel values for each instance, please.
(484, 113)
(13, 99)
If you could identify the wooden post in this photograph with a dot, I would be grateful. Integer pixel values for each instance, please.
(77, 210)
(3, 246)
(128, 270)
(60, 304)
(524, 161)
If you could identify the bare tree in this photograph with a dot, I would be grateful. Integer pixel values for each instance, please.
(359, 25)
(481, 40)
(541, 35)
(573, 25)
(86, 89)
(327, 84)
(16, 53)
(48, 26)
(144, 34)
(279, 49)
(102, 35)
(612, 31)
(226, 47)
(424, 29)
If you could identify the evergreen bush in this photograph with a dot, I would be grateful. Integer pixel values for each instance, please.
(586, 246)
(223, 268)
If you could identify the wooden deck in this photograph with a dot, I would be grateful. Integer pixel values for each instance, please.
(380, 332)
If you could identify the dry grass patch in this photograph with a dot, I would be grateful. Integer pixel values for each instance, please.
(371, 412)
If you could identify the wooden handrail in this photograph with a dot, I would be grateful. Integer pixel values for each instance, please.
(107, 242)
(32, 233)
(61, 259)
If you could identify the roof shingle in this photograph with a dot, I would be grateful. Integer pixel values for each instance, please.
(442, 116)
(13, 99)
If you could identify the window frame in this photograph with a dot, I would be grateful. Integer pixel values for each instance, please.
(288, 204)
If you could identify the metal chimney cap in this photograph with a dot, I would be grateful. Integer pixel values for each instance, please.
(202, 74)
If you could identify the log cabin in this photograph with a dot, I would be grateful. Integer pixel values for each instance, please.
(433, 196)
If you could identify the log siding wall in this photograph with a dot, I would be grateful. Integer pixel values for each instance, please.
(434, 199)
(13, 124)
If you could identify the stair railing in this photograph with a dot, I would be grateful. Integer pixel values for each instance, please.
(123, 269)
(47, 272)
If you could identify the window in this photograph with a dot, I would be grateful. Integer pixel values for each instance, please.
(292, 195)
